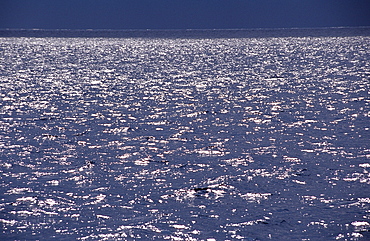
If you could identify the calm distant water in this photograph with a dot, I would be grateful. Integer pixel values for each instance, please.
(185, 138)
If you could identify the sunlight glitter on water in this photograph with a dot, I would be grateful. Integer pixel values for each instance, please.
(185, 139)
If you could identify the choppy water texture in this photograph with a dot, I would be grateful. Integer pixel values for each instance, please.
(185, 139)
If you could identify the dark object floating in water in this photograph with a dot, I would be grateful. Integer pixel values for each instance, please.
(197, 189)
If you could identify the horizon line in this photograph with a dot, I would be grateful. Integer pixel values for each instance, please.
(175, 29)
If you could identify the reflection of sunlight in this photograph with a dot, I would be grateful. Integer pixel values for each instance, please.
(185, 139)
(255, 197)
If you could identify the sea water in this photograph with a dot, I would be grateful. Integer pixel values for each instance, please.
(185, 138)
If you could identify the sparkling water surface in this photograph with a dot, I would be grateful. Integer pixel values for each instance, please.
(185, 139)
